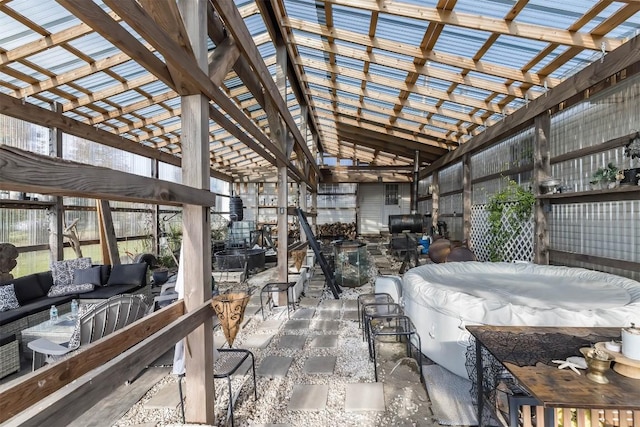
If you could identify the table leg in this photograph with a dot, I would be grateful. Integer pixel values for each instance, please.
(480, 380)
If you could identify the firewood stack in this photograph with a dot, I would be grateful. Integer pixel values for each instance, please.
(338, 229)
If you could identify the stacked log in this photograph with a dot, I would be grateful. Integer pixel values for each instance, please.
(338, 229)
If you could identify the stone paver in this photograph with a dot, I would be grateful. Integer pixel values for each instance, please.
(292, 341)
(166, 397)
(326, 315)
(331, 304)
(320, 365)
(271, 324)
(274, 366)
(309, 397)
(308, 302)
(326, 325)
(296, 324)
(269, 425)
(350, 304)
(350, 315)
(257, 340)
(324, 341)
(364, 397)
(314, 294)
(303, 313)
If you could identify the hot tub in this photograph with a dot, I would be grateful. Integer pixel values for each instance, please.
(441, 299)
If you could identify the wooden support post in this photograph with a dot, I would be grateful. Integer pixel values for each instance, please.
(56, 212)
(466, 198)
(108, 238)
(196, 229)
(435, 200)
(541, 171)
(155, 220)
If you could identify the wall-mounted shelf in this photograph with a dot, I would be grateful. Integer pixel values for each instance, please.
(628, 192)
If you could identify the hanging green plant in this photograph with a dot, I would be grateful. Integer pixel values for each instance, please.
(508, 210)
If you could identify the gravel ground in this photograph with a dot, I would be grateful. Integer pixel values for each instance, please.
(352, 366)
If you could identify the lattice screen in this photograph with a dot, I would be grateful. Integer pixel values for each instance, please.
(518, 247)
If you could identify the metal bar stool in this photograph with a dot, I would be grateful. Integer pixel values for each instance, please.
(402, 327)
(226, 365)
(375, 310)
(382, 297)
(269, 288)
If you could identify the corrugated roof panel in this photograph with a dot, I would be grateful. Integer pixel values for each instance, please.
(392, 55)
(57, 59)
(460, 41)
(46, 13)
(95, 46)
(383, 89)
(129, 70)
(96, 82)
(488, 8)
(513, 52)
(351, 19)
(381, 70)
(24, 70)
(342, 79)
(344, 61)
(126, 98)
(155, 88)
(554, 14)
(457, 107)
(379, 103)
(402, 30)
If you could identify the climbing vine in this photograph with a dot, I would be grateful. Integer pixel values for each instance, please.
(508, 210)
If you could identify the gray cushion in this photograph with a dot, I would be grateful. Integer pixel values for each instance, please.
(32, 307)
(105, 292)
(128, 274)
(87, 275)
(8, 299)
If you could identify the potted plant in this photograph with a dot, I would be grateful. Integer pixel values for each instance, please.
(606, 177)
(632, 150)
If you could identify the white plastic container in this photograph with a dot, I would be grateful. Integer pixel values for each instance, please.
(631, 342)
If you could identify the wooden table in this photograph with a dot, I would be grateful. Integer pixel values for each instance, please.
(550, 386)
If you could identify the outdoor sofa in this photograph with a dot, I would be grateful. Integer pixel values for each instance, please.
(33, 293)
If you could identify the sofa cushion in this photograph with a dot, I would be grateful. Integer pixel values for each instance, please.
(87, 275)
(62, 271)
(72, 289)
(33, 307)
(106, 292)
(27, 289)
(8, 299)
(105, 270)
(128, 274)
(46, 281)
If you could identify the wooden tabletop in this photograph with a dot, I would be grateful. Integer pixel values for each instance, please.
(562, 387)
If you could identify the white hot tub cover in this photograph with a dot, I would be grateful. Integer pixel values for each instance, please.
(524, 294)
(441, 299)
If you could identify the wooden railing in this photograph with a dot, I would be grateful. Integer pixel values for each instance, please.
(56, 394)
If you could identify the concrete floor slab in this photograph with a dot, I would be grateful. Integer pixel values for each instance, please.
(309, 397)
(320, 365)
(326, 325)
(274, 366)
(326, 315)
(292, 341)
(364, 397)
(257, 341)
(315, 294)
(304, 313)
(296, 324)
(324, 341)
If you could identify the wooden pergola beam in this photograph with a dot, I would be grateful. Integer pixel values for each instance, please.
(34, 173)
